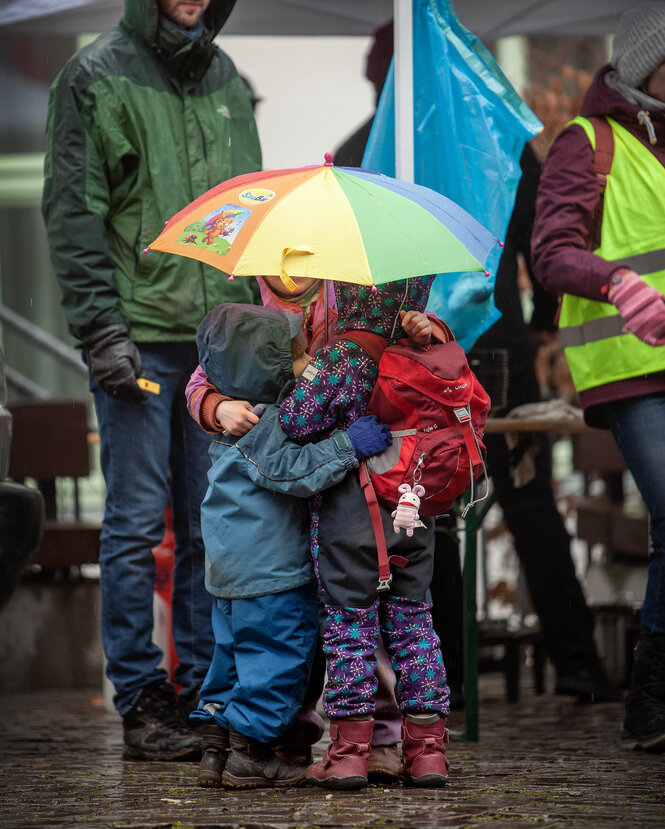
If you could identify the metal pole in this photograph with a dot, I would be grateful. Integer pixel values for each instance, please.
(404, 145)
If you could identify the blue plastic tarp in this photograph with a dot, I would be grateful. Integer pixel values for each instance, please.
(470, 127)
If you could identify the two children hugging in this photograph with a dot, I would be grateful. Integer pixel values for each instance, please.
(255, 525)
(333, 393)
(313, 302)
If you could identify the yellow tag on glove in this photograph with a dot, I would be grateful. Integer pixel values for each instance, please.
(148, 385)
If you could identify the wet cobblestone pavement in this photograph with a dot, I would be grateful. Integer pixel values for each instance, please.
(546, 760)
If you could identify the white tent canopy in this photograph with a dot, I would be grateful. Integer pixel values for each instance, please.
(488, 19)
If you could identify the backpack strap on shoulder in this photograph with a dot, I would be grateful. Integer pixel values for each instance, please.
(600, 135)
(374, 344)
(604, 151)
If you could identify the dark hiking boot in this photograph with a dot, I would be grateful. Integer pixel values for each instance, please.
(344, 764)
(154, 729)
(589, 683)
(383, 764)
(644, 723)
(254, 765)
(424, 761)
(215, 750)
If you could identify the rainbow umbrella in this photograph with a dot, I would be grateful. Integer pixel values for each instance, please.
(341, 223)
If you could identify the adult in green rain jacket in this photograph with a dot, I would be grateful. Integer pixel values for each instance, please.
(142, 121)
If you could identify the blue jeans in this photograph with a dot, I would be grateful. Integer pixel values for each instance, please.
(149, 450)
(638, 426)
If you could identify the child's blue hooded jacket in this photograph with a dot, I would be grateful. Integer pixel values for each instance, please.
(256, 533)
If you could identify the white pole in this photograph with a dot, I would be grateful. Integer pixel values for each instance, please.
(404, 156)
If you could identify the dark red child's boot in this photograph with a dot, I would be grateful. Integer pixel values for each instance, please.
(424, 761)
(344, 764)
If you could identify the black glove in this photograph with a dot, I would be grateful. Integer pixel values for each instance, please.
(115, 363)
(368, 436)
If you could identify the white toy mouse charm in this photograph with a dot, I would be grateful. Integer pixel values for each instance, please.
(406, 515)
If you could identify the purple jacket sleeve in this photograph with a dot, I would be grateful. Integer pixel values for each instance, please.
(198, 383)
(332, 392)
(202, 400)
(567, 196)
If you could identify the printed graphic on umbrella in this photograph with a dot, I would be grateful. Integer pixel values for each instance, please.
(341, 223)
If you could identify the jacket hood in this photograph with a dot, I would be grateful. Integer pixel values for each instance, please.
(362, 309)
(602, 101)
(143, 18)
(245, 350)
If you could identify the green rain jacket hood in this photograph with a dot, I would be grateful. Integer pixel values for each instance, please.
(141, 122)
(143, 19)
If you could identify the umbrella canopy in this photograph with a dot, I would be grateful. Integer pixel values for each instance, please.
(327, 222)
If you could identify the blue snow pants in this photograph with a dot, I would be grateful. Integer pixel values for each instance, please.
(264, 649)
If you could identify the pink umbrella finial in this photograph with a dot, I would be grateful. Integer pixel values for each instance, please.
(487, 273)
(373, 289)
(231, 278)
(501, 244)
(328, 159)
(146, 250)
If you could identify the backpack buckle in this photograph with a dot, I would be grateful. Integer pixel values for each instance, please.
(384, 584)
(463, 414)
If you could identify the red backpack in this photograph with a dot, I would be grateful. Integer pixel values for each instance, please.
(436, 410)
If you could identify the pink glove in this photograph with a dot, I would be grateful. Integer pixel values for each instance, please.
(641, 307)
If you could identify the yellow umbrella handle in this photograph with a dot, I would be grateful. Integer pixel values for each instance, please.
(286, 279)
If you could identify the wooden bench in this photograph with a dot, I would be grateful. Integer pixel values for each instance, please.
(51, 440)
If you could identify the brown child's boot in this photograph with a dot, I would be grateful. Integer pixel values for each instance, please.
(254, 765)
(344, 764)
(424, 761)
(215, 748)
(384, 764)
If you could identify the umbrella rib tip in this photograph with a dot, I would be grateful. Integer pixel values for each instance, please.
(328, 157)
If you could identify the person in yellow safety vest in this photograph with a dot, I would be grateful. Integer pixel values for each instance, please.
(599, 240)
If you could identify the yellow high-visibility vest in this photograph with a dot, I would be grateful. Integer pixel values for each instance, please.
(633, 235)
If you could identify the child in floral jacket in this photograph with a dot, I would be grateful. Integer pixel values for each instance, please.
(333, 392)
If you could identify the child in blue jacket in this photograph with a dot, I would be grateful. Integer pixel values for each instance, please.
(255, 524)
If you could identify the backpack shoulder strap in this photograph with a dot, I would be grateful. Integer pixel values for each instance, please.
(604, 150)
(602, 162)
(374, 344)
(600, 135)
(385, 576)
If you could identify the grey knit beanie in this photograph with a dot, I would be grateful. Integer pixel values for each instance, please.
(639, 44)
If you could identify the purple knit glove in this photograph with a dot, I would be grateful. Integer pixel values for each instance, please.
(641, 307)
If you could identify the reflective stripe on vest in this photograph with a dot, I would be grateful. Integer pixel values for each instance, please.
(597, 349)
